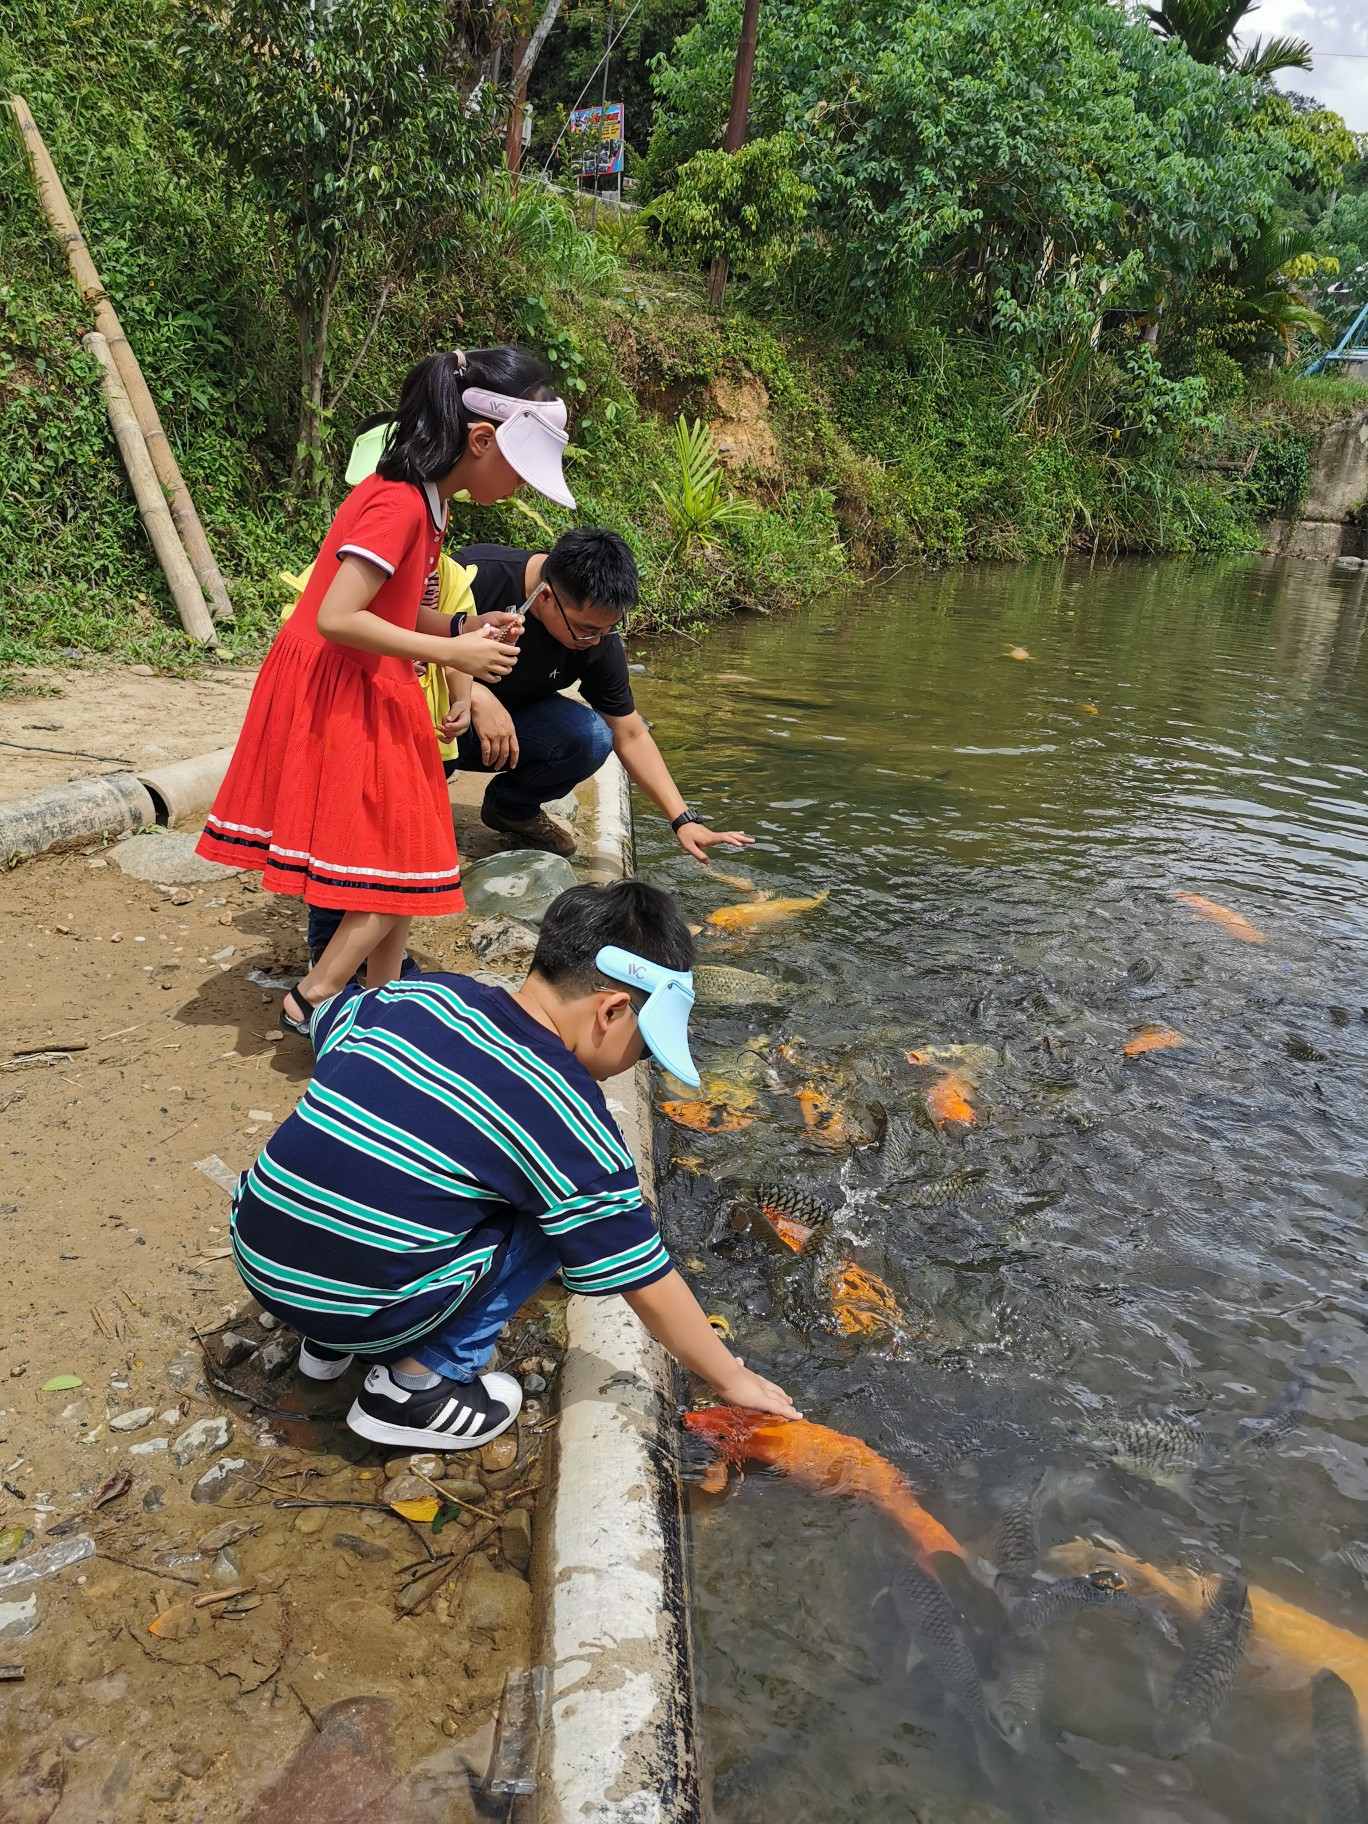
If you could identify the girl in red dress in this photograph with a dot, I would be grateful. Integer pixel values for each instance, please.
(336, 789)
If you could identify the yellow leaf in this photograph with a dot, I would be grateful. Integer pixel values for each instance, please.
(425, 1510)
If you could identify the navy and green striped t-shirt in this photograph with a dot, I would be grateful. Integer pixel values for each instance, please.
(439, 1115)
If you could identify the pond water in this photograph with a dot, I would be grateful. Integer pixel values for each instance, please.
(1162, 1241)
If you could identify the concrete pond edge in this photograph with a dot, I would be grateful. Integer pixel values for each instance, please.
(619, 1739)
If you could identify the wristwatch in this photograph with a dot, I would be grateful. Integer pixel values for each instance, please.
(685, 816)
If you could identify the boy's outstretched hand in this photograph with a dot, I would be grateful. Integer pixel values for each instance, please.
(675, 1318)
(753, 1391)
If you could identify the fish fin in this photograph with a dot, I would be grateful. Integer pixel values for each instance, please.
(879, 1595)
(914, 1655)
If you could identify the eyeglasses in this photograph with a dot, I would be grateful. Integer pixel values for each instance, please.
(583, 639)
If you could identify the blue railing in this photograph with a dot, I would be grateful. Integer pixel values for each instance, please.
(1345, 349)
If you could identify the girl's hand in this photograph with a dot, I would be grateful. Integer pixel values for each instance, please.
(482, 655)
(507, 623)
(457, 719)
(743, 1387)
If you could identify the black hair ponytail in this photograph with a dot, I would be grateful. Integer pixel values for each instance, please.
(432, 424)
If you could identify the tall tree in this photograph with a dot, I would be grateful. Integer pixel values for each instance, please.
(1207, 29)
(346, 127)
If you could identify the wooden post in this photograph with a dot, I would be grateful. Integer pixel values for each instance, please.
(58, 211)
(156, 516)
(742, 77)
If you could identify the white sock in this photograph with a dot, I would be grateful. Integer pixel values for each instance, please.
(415, 1383)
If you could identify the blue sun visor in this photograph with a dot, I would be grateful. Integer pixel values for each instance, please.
(664, 1020)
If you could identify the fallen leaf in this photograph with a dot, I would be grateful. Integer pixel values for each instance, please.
(62, 1383)
(421, 1511)
(176, 1623)
(112, 1489)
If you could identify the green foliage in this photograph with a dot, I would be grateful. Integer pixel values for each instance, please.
(1279, 476)
(699, 508)
(345, 129)
(915, 124)
(746, 207)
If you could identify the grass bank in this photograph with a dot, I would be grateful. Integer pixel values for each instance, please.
(853, 457)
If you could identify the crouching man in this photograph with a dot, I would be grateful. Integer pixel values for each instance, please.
(539, 743)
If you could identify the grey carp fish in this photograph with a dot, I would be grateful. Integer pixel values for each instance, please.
(1206, 1676)
(1041, 1608)
(1017, 1691)
(1160, 1450)
(932, 1191)
(1340, 1780)
(1016, 1537)
(939, 1635)
(716, 985)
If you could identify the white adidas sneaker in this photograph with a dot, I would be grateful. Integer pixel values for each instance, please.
(453, 1415)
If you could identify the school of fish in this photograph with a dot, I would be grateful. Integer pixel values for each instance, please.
(1218, 1625)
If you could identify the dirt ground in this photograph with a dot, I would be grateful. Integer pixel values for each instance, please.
(104, 719)
(144, 1691)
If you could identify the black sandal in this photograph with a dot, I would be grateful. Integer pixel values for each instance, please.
(301, 1028)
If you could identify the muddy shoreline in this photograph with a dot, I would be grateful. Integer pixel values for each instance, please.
(149, 1688)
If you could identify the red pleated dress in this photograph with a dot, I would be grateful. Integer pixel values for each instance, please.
(335, 789)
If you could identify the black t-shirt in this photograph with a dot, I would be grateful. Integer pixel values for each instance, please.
(544, 666)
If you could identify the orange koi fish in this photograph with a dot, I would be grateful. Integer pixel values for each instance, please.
(1153, 1038)
(861, 1303)
(741, 882)
(763, 912)
(947, 1102)
(1290, 1642)
(1233, 923)
(827, 1463)
(1019, 653)
(706, 1117)
(823, 1120)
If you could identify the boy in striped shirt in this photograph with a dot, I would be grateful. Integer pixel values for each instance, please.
(453, 1151)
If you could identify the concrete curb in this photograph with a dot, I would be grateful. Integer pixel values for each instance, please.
(110, 804)
(619, 1740)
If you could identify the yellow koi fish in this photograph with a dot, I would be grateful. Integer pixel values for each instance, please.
(763, 912)
(1290, 1642)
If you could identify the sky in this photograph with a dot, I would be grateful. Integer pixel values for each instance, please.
(1339, 82)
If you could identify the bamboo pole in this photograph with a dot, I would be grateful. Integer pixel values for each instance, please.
(58, 211)
(147, 491)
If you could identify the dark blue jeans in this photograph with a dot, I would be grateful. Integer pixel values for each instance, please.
(560, 743)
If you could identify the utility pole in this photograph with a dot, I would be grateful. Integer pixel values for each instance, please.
(603, 119)
(736, 122)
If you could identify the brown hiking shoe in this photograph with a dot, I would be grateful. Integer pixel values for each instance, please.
(539, 832)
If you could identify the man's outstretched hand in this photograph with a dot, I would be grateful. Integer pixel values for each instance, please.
(696, 839)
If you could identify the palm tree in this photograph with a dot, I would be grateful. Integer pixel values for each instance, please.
(1266, 297)
(1207, 29)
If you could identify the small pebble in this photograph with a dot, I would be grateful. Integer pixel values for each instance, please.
(310, 1521)
(148, 1447)
(132, 1421)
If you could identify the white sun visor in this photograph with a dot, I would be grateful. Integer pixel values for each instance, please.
(532, 435)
